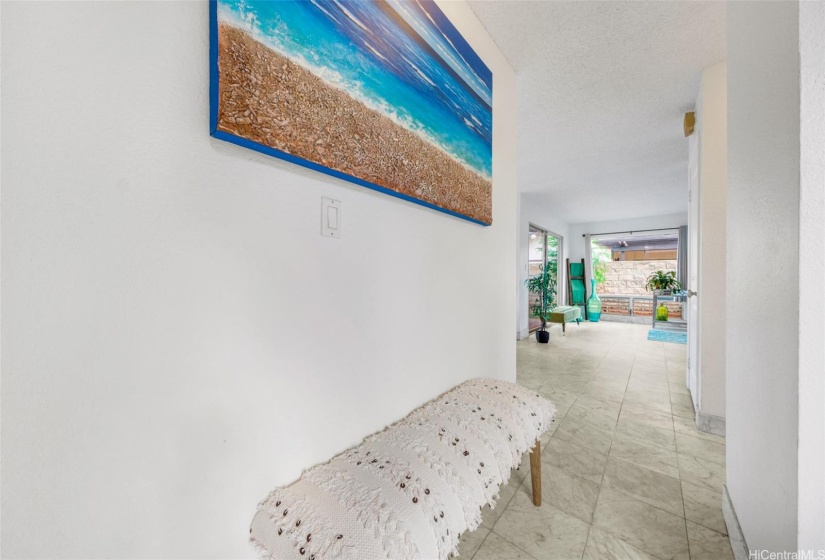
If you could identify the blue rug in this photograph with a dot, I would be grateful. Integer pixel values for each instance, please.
(667, 336)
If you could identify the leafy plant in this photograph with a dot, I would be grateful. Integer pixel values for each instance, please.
(543, 285)
(663, 280)
(552, 253)
(600, 255)
(600, 273)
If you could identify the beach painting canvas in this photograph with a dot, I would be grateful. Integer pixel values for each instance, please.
(383, 93)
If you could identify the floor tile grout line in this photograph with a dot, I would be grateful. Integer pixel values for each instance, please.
(676, 445)
(484, 540)
(648, 504)
(580, 446)
(706, 527)
(647, 469)
(621, 407)
(586, 541)
(618, 537)
(646, 443)
(609, 531)
(687, 536)
(512, 544)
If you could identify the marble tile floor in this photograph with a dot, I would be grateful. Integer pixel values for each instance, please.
(625, 473)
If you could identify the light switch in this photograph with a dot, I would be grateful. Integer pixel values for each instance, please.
(330, 217)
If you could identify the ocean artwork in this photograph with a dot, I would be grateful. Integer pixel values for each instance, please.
(384, 93)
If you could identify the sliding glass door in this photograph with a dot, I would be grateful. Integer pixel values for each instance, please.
(623, 262)
(545, 250)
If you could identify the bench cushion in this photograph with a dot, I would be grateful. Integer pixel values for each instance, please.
(564, 314)
(411, 490)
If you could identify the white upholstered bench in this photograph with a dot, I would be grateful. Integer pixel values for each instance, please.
(411, 490)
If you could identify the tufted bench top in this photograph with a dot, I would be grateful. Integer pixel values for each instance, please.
(564, 315)
(411, 490)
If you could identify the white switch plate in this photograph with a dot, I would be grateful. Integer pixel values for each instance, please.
(330, 217)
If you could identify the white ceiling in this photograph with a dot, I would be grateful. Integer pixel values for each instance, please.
(602, 91)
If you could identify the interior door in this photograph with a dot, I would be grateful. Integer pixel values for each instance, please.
(535, 260)
(694, 193)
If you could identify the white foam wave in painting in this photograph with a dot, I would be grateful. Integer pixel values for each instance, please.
(420, 73)
(351, 16)
(325, 11)
(375, 52)
(450, 56)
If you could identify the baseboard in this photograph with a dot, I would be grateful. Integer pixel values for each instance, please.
(737, 539)
(523, 334)
(710, 424)
(627, 319)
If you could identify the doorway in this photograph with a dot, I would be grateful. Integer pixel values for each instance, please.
(545, 249)
(622, 263)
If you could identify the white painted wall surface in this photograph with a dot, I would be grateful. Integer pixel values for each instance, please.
(178, 338)
(811, 272)
(763, 270)
(533, 211)
(711, 126)
(672, 221)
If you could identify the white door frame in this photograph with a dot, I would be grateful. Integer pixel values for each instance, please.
(561, 278)
(694, 381)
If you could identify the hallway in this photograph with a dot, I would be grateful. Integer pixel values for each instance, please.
(625, 474)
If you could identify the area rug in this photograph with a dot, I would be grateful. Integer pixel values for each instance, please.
(658, 335)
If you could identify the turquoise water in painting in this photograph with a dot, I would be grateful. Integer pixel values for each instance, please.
(400, 57)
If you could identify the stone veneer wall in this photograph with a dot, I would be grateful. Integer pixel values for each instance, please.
(630, 277)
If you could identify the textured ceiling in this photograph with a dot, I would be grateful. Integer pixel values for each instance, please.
(602, 90)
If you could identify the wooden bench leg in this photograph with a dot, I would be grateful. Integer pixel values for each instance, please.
(535, 472)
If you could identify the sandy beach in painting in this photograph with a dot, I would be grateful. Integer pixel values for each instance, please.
(266, 98)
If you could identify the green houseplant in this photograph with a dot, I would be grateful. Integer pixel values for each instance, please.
(543, 285)
(663, 281)
(600, 274)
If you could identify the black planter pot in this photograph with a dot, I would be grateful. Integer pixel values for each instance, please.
(543, 336)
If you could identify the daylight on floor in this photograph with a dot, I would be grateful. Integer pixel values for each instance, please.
(412, 280)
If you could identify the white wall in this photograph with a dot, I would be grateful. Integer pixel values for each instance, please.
(177, 336)
(763, 307)
(664, 221)
(532, 210)
(811, 272)
(711, 126)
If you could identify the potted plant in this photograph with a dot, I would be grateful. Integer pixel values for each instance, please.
(663, 282)
(544, 286)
